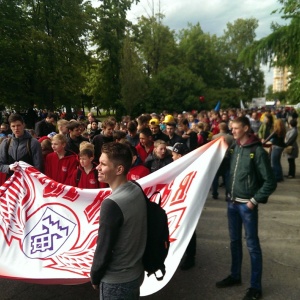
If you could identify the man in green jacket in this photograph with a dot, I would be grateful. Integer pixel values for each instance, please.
(251, 182)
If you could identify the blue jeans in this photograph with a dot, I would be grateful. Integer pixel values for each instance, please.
(121, 291)
(275, 162)
(239, 214)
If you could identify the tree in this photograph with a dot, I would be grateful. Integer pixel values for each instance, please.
(108, 36)
(45, 48)
(156, 44)
(58, 50)
(173, 88)
(281, 47)
(14, 31)
(200, 52)
(133, 81)
(248, 78)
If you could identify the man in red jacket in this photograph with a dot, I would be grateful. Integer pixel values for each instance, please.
(86, 176)
(146, 145)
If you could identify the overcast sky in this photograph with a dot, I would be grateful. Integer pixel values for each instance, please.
(213, 15)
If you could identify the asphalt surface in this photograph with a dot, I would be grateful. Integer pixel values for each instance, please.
(279, 231)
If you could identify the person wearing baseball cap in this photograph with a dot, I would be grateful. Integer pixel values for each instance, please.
(169, 119)
(157, 134)
(179, 150)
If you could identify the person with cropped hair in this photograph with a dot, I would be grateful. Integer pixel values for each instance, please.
(106, 136)
(117, 270)
(86, 175)
(21, 146)
(132, 133)
(172, 135)
(62, 126)
(46, 126)
(251, 182)
(145, 146)
(74, 137)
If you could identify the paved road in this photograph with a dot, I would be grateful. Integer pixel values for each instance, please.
(280, 241)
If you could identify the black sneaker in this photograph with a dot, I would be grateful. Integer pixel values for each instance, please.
(188, 263)
(253, 294)
(227, 282)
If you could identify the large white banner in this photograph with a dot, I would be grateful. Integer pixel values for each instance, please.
(48, 230)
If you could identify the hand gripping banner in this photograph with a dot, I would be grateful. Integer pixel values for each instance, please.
(48, 231)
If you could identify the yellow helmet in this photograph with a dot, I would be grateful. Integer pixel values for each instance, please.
(169, 119)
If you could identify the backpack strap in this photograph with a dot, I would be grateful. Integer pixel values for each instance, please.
(6, 149)
(96, 174)
(96, 177)
(78, 175)
(146, 197)
(29, 147)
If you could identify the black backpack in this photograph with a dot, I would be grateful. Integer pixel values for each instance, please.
(157, 245)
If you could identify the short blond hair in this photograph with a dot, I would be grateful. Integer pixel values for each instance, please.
(159, 142)
(60, 138)
(86, 145)
(62, 122)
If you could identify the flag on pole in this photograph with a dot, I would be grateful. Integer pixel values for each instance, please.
(48, 231)
(242, 104)
(218, 106)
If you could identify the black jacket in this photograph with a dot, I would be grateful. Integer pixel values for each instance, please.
(153, 163)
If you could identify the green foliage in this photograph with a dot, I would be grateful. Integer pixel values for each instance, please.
(201, 53)
(281, 48)
(290, 8)
(56, 53)
(45, 43)
(156, 44)
(132, 78)
(229, 97)
(175, 88)
(108, 36)
(248, 78)
(14, 29)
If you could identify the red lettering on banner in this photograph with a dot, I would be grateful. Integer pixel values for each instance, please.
(183, 188)
(38, 175)
(166, 194)
(53, 189)
(151, 189)
(71, 194)
(93, 209)
(174, 221)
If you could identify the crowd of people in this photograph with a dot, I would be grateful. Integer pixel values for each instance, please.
(71, 152)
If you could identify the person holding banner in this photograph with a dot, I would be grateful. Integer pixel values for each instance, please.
(20, 147)
(252, 181)
(117, 269)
